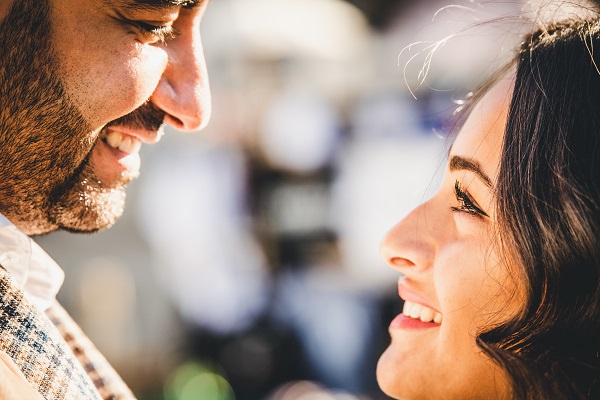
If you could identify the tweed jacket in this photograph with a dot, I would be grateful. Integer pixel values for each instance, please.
(52, 352)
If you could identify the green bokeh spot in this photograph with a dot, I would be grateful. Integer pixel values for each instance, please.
(195, 381)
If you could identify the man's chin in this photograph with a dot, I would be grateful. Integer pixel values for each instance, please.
(90, 210)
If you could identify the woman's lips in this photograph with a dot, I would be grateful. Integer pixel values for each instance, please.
(408, 294)
(403, 322)
(416, 314)
(419, 311)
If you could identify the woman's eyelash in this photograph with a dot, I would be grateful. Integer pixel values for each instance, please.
(466, 203)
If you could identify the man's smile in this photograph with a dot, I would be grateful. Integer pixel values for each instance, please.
(122, 141)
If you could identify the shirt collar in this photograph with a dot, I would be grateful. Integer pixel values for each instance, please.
(32, 270)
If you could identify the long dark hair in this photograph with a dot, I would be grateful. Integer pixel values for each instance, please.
(548, 208)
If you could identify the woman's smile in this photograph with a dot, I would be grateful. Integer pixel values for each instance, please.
(416, 313)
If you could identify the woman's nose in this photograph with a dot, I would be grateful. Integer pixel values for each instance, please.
(183, 91)
(410, 245)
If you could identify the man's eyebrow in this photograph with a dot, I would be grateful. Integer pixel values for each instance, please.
(458, 163)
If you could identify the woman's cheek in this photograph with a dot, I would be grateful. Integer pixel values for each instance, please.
(458, 277)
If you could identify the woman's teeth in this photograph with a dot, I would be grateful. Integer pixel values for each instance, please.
(125, 143)
(418, 311)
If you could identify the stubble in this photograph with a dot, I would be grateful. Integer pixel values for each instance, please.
(46, 178)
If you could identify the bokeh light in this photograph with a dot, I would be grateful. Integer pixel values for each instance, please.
(194, 381)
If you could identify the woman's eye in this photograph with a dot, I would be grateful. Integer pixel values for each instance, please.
(466, 204)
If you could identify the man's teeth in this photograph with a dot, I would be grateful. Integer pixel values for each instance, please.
(125, 143)
(418, 311)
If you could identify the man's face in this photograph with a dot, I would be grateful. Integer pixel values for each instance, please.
(82, 84)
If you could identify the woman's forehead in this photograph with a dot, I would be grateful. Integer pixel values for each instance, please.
(482, 135)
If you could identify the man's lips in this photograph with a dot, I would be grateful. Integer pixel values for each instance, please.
(126, 143)
(146, 136)
(113, 166)
(128, 140)
(116, 156)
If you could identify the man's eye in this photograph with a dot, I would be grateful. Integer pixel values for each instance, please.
(466, 204)
(156, 33)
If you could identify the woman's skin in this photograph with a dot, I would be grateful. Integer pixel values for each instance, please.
(447, 251)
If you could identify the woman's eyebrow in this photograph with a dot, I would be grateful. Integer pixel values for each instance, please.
(458, 163)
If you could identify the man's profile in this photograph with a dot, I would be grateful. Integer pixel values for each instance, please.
(83, 84)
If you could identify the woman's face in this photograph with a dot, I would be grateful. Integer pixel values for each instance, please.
(454, 283)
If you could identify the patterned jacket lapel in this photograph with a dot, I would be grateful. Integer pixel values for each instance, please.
(37, 347)
(108, 383)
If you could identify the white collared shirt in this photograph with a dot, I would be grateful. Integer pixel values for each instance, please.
(31, 268)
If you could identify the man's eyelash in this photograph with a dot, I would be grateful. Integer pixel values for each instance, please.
(466, 203)
(160, 33)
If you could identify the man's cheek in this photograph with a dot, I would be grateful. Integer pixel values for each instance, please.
(117, 85)
(144, 72)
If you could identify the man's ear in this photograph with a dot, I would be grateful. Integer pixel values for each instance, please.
(4, 8)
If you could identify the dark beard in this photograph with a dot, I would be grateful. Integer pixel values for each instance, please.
(46, 179)
(102, 205)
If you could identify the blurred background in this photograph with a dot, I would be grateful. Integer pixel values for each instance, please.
(246, 264)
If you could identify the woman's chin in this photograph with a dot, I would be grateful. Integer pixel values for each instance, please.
(389, 376)
(414, 375)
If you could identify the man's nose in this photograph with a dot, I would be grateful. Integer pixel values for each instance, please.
(183, 91)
